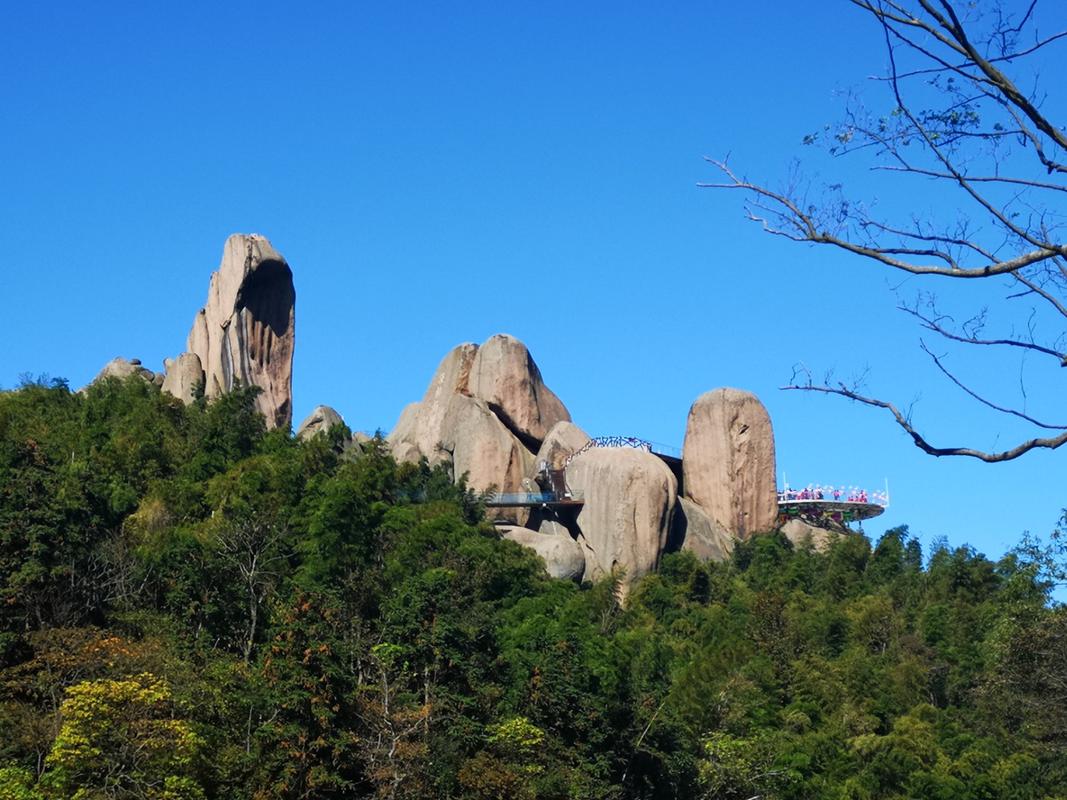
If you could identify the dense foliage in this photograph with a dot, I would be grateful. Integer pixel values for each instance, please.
(193, 607)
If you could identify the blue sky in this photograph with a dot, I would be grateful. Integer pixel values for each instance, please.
(438, 173)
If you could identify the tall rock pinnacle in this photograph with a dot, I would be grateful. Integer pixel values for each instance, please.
(728, 461)
(245, 332)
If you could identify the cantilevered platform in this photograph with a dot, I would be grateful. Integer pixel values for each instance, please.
(824, 513)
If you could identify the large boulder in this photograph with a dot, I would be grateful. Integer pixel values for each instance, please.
(505, 376)
(801, 534)
(320, 420)
(122, 368)
(562, 441)
(245, 332)
(693, 530)
(184, 375)
(482, 447)
(402, 439)
(728, 461)
(421, 428)
(484, 413)
(629, 496)
(562, 555)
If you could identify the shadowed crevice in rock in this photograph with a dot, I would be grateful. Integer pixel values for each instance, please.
(485, 412)
(528, 441)
(269, 296)
(245, 333)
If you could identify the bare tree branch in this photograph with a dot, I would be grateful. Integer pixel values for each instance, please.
(806, 224)
(982, 400)
(934, 325)
(982, 135)
(1006, 455)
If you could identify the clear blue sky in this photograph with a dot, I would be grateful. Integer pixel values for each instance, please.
(437, 173)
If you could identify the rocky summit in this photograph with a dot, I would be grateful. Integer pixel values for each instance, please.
(590, 508)
(243, 336)
(488, 416)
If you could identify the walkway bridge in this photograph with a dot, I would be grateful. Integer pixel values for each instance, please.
(552, 483)
(549, 489)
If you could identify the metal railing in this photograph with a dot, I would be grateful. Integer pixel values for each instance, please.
(633, 442)
(532, 498)
(831, 494)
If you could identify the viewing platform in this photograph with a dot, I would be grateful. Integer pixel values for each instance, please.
(822, 509)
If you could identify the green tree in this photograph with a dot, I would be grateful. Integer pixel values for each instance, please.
(122, 739)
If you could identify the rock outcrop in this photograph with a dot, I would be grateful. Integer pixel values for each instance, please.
(420, 430)
(184, 375)
(625, 521)
(320, 420)
(504, 375)
(484, 413)
(801, 533)
(245, 332)
(482, 448)
(563, 440)
(728, 461)
(562, 555)
(693, 530)
(121, 368)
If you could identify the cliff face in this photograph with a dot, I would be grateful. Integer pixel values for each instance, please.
(245, 332)
(728, 461)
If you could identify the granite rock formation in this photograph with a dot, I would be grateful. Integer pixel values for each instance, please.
(184, 375)
(121, 368)
(504, 375)
(801, 533)
(693, 530)
(245, 332)
(421, 429)
(484, 414)
(563, 440)
(482, 448)
(562, 555)
(320, 420)
(625, 521)
(728, 461)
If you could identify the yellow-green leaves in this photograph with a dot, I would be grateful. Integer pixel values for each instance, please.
(121, 738)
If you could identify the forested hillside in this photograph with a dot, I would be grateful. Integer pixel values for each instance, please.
(193, 607)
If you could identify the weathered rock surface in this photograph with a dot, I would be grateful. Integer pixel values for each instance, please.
(183, 375)
(505, 376)
(562, 555)
(801, 533)
(402, 440)
(728, 461)
(564, 439)
(625, 521)
(120, 368)
(320, 420)
(421, 427)
(482, 447)
(245, 331)
(692, 529)
(484, 413)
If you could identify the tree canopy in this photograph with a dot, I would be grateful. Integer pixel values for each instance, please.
(196, 608)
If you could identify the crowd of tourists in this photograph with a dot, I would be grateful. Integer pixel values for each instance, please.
(853, 494)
